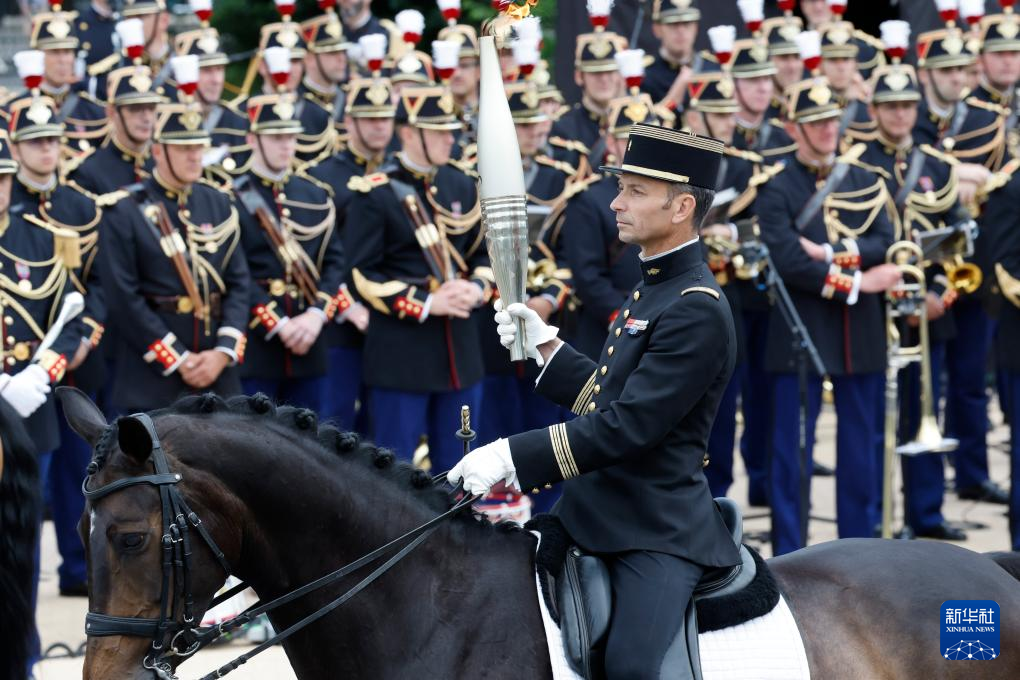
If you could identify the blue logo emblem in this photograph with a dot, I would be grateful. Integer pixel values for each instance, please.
(970, 630)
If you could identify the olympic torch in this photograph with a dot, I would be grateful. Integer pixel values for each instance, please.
(503, 199)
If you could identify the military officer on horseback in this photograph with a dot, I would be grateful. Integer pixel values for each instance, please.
(636, 491)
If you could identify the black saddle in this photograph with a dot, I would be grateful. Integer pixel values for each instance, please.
(580, 597)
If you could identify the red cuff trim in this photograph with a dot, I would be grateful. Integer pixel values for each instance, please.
(408, 307)
(266, 316)
(163, 351)
(54, 364)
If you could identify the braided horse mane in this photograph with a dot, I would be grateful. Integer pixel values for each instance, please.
(19, 521)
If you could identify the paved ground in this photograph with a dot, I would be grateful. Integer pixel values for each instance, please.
(61, 619)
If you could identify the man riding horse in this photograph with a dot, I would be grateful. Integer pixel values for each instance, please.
(633, 459)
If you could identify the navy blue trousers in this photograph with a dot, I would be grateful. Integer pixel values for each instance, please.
(650, 593)
(756, 407)
(966, 396)
(924, 476)
(342, 391)
(300, 392)
(400, 419)
(510, 406)
(1013, 385)
(858, 400)
(66, 470)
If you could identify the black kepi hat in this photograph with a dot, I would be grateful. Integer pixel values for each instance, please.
(671, 156)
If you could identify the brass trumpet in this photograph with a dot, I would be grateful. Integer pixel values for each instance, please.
(965, 277)
(907, 299)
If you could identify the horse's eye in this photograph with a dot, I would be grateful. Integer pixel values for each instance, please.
(131, 541)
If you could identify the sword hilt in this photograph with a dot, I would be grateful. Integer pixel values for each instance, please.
(465, 434)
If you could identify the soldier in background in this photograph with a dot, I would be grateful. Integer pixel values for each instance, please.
(1000, 64)
(123, 157)
(464, 86)
(753, 74)
(225, 123)
(358, 19)
(369, 122)
(186, 302)
(325, 63)
(675, 25)
(96, 31)
(828, 242)
(779, 32)
(839, 66)
(417, 261)
(295, 258)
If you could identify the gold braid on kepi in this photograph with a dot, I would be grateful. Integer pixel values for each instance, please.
(672, 156)
(180, 123)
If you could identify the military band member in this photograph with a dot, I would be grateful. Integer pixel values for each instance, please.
(710, 110)
(675, 25)
(369, 122)
(636, 492)
(35, 260)
(1000, 64)
(824, 221)
(123, 158)
(174, 273)
(96, 32)
(839, 66)
(779, 32)
(295, 257)
(816, 13)
(972, 131)
(83, 115)
(923, 186)
(575, 135)
(464, 86)
(752, 73)
(318, 137)
(358, 19)
(43, 198)
(227, 126)
(418, 263)
(603, 267)
(155, 27)
(325, 63)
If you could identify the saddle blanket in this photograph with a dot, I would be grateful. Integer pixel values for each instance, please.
(766, 648)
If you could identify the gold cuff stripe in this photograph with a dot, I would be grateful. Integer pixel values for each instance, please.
(561, 449)
(584, 396)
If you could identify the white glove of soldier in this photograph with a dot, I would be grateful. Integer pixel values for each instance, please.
(26, 391)
(484, 467)
(537, 332)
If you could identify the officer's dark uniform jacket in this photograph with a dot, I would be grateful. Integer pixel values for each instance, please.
(34, 278)
(662, 73)
(850, 338)
(978, 136)
(575, 133)
(67, 207)
(768, 139)
(930, 204)
(391, 276)
(545, 182)
(95, 32)
(111, 167)
(316, 141)
(604, 269)
(1003, 208)
(228, 127)
(145, 293)
(304, 208)
(634, 458)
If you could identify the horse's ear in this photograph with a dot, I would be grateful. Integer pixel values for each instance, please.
(82, 414)
(134, 439)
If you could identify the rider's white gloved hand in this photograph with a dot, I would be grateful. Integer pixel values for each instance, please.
(26, 391)
(484, 467)
(536, 331)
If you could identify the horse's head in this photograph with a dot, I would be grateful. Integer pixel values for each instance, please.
(148, 560)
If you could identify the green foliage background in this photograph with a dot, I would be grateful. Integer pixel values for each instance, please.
(239, 21)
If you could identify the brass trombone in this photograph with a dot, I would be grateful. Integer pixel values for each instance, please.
(907, 299)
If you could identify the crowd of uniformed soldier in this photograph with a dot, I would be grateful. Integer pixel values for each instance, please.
(320, 241)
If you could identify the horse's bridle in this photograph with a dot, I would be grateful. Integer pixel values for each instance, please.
(178, 519)
(177, 522)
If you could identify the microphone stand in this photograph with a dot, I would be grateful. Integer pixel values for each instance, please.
(804, 350)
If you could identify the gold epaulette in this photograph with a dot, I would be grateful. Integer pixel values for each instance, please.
(701, 289)
(570, 145)
(317, 182)
(562, 166)
(222, 188)
(103, 65)
(112, 198)
(765, 174)
(869, 39)
(73, 162)
(467, 167)
(935, 153)
(997, 109)
(79, 188)
(366, 183)
(574, 188)
(66, 242)
(852, 154)
(745, 154)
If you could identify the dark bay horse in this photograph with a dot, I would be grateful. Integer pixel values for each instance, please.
(288, 501)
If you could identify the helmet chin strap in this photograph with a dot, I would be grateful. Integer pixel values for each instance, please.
(170, 166)
(814, 149)
(425, 147)
(265, 160)
(127, 131)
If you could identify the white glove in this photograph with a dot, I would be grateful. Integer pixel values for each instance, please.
(27, 390)
(537, 332)
(484, 467)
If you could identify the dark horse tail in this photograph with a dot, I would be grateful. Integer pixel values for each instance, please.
(19, 521)
(1010, 561)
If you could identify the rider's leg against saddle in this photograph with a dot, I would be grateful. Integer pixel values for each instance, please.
(650, 594)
